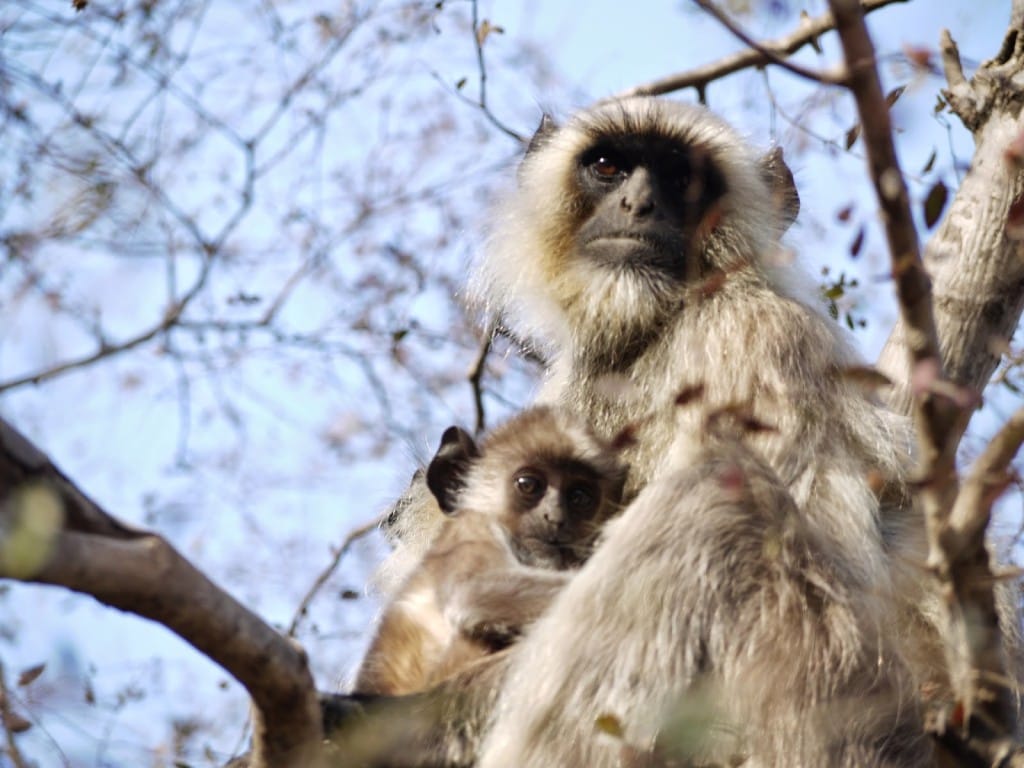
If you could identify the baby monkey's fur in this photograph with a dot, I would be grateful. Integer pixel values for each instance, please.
(523, 509)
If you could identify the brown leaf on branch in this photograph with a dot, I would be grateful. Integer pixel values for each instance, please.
(30, 675)
(15, 723)
(920, 58)
(486, 29)
(935, 204)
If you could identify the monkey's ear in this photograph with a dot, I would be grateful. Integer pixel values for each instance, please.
(446, 473)
(544, 131)
(779, 178)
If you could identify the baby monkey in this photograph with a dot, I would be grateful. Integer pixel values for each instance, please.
(524, 507)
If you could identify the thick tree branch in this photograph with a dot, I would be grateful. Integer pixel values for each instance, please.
(939, 421)
(765, 53)
(51, 533)
(976, 257)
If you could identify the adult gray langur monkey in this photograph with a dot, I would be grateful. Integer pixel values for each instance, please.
(770, 561)
(767, 568)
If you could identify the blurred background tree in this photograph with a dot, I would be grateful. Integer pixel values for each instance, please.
(233, 249)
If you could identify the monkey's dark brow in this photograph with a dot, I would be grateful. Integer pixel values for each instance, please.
(568, 466)
(650, 150)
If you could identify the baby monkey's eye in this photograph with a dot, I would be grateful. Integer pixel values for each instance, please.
(582, 499)
(529, 484)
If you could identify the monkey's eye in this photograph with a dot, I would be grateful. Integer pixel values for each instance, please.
(582, 499)
(605, 164)
(529, 484)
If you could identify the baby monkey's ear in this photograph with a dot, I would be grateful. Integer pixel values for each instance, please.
(446, 475)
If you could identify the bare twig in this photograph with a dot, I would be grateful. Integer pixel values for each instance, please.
(479, 38)
(475, 376)
(353, 536)
(771, 56)
(809, 31)
(988, 477)
(168, 321)
(54, 534)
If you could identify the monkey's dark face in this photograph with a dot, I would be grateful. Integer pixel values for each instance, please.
(644, 201)
(555, 512)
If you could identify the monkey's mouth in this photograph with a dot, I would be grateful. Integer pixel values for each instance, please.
(636, 250)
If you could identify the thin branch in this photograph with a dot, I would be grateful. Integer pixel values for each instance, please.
(771, 57)
(810, 30)
(170, 319)
(988, 477)
(353, 536)
(478, 40)
(475, 376)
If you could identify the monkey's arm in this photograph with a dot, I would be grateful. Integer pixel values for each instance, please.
(439, 728)
(496, 605)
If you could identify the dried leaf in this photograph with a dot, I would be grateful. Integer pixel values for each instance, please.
(31, 674)
(935, 203)
(461, 83)
(845, 213)
(687, 395)
(919, 57)
(609, 724)
(485, 30)
(858, 242)
(15, 723)
(852, 135)
(893, 96)
(931, 162)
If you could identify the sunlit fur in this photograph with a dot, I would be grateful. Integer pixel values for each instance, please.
(795, 600)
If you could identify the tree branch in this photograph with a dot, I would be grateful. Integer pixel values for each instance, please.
(765, 53)
(353, 536)
(771, 57)
(957, 555)
(51, 533)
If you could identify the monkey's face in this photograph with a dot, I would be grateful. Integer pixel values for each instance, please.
(555, 512)
(645, 201)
